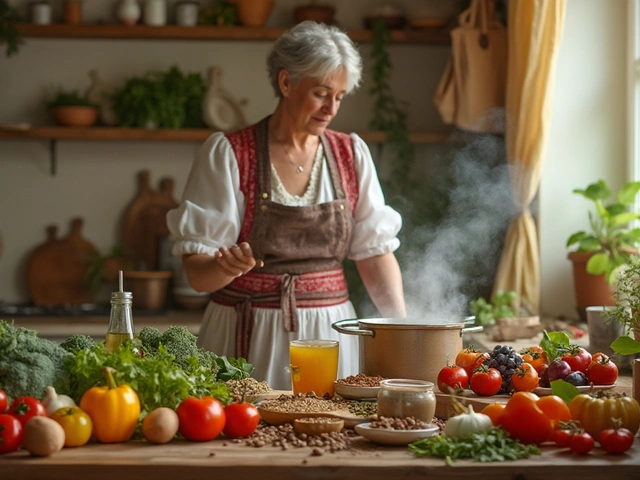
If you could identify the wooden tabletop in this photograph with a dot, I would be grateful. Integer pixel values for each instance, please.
(221, 459)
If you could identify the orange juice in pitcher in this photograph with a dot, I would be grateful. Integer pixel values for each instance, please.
(314, 366)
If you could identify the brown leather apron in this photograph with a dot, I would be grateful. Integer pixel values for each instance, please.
(299, 251)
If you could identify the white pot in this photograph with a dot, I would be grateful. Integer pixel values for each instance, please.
(155, 13)
(129, 12)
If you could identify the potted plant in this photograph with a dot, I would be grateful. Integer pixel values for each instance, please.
(71, 109)
(318, 12)
(510, 322)
(627, 296)
(606, 248)
(9, 35)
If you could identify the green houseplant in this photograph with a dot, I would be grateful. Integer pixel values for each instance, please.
(70, 108)
(9, 35)
(604, 250)
(627, 295)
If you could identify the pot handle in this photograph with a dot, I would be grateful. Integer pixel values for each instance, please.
(478, 328)
(346, 327)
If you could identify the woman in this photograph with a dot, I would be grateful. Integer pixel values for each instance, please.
(270, 212)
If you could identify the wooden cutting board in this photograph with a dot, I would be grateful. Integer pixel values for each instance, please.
(145, 220)
(56, 269)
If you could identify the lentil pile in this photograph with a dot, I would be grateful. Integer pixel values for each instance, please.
(303, 404)
(285, 437)
(361, 380)
(249, 386)
(408, 423)
(363, 409)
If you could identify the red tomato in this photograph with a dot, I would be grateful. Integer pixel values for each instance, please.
(486, 381)
(202, 419)
(561, 438)
(10, 433)
(578, 359)
(525, 379)
(524, 420)
(24, 408)
(466, 359)
(3, 401)
(454, 377)
(602, 371)
(242, 420)
(616, 440)
(581, 443)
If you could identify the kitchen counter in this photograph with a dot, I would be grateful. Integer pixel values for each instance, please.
(59, 328)
(222, 459)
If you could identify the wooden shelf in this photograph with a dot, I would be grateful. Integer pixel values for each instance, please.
(172, 135)
(174, 32)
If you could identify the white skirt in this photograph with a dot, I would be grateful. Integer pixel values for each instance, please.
(269, 350)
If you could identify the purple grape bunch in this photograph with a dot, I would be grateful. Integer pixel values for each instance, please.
(506, 360)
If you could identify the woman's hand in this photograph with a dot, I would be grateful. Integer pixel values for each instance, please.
(236, 260)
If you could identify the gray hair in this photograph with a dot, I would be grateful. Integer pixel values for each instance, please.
(314, 50)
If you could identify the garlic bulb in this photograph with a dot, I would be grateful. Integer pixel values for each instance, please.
(467, 423)
(52, 401)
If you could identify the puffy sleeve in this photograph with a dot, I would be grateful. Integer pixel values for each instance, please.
(376, 223)
(212, 206)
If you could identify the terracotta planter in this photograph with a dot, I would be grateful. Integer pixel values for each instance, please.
(75, 116)
(590, 290)
(318, 13)
(254, 13)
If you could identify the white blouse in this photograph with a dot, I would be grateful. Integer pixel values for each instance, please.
(210, 216)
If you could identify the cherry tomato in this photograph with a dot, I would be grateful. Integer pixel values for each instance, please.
(602, 371)
(481, 359)
(24, 408)
(454, 377)
(525, 379)
(242, 420)
(581, 443)
(486, 381)
(466, 359)
(534, 356)
(10, 433)
(200, 419)
(578, 359)
(616, 440)
(3, 401)
(77, 425)
(561, 438)
(494, 411)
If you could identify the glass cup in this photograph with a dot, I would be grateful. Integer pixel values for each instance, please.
(314, 366)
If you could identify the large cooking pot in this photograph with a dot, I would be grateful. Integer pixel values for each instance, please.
(414, 348)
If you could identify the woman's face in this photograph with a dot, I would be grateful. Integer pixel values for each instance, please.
(313, 103)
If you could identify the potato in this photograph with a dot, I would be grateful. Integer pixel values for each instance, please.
(160, 425)
(43, 436)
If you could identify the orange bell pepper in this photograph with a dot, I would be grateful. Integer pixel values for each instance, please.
(114, 410)
(525, 420)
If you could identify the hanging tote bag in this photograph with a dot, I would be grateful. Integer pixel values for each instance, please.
(471, 92)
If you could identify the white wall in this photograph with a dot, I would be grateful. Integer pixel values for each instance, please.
(588, 136)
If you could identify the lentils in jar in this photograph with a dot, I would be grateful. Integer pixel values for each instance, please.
(361, 380)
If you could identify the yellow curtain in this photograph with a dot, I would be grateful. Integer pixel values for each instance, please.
(534, 33)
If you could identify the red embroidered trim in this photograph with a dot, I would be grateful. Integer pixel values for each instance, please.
(300, 303)
(342, 147)
(326, 281)
(243, 143)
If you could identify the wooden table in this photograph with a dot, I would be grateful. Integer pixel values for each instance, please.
(220, 459)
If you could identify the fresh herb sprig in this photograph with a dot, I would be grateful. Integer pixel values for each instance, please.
(493, 445)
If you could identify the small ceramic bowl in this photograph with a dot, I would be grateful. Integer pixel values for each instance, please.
(353, 392)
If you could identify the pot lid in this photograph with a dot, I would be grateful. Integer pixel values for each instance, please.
(417, 322)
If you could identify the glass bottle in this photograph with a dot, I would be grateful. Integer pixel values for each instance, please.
(120, 320)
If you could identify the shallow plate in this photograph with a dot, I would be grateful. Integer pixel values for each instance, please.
(356, 393)
(388, 436)
(542, 391)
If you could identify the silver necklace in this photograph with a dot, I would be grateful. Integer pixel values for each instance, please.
(299, 168)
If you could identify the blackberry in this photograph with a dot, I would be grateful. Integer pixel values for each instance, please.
(505, 359)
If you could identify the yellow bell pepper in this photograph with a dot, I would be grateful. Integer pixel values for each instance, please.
(114, 410)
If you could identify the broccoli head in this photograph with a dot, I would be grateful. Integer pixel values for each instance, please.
(78, 342)
(150, 339)
(29, 364)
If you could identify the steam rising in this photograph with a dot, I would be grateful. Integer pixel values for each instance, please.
(444, 265)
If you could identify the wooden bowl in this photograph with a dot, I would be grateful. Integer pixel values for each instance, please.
(73, 116)
(318, 425)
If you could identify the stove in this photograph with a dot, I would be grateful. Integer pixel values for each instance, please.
(79, 310)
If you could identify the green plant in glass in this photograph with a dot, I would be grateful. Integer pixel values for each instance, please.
(500, 306)
(610, 238)
(9, 35)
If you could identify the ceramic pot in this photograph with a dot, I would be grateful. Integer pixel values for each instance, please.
(254, 13)
(41, 13)
(72, 12)
(589, 289)
(75, 116)
(149, 288)
(155, 13)
(129, 12)
(187, 13)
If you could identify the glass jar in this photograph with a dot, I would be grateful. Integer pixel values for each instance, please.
(403, 398)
